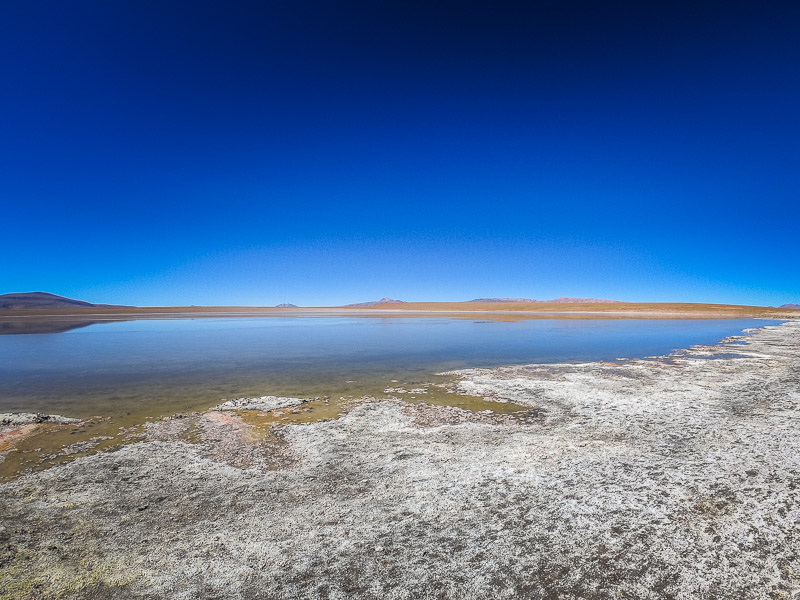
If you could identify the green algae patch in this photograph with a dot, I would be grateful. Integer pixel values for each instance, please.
(438, 395)
(321, 409)
(192, 433)
(43, 446)
(25, 577)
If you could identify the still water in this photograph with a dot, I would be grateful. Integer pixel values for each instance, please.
(159, 367)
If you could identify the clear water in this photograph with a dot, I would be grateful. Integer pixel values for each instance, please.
(159, 367)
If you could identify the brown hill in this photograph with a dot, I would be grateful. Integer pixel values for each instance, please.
(31, 300)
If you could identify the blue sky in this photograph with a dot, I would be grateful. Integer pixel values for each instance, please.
(320, 153)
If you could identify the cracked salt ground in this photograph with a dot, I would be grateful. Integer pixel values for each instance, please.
(646, 479)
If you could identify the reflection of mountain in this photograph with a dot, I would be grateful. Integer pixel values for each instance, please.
(26, 300)
(26, 325)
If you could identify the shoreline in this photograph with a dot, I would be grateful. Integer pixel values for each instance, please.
(44, 321)
(677, 476)
(521, 309)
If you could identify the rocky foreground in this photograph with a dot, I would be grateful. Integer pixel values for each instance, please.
(670, 478)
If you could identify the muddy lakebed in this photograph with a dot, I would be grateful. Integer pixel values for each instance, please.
(563, 467)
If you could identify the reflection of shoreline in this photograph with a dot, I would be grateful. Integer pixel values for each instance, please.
(23, 326)
(16, 323)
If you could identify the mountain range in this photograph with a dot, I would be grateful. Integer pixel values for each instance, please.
(794, 306)
(377, 302)
(561, 300)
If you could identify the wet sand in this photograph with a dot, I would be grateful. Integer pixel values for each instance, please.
(677, 477)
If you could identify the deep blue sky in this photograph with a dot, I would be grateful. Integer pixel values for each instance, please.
(323, 152)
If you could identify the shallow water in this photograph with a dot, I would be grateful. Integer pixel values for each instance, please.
(150, 368)
(123, 374)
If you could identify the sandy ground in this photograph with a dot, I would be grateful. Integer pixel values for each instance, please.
(671, 478)
(56, 320)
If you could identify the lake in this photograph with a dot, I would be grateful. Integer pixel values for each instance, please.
(152, 368)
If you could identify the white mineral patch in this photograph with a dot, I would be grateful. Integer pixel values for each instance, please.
(262, 403)
(19, 419)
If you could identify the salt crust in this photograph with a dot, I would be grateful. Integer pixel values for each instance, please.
(263, 403)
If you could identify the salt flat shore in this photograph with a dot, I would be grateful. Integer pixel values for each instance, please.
(676, 477)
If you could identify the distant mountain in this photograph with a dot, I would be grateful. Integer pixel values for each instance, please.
(377, 302)
(502, 300)
(565, 300)
(25, 300)
(794, 306)
(286, 305)
(561, 300)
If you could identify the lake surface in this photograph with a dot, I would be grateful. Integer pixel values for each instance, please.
(159, 367)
